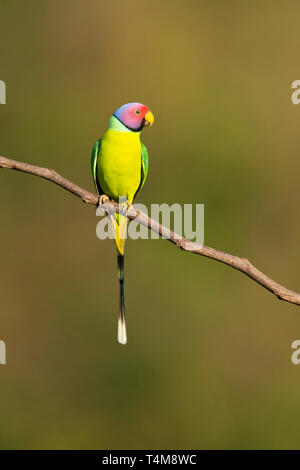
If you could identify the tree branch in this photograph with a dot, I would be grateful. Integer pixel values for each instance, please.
(241, 264)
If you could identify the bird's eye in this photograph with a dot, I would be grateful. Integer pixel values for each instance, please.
(137, 111)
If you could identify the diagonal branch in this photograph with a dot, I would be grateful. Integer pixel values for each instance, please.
(241, 264)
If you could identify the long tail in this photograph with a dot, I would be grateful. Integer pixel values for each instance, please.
(121, 226)
(122, 336)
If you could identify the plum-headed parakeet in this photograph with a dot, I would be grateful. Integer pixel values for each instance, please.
(120, 167)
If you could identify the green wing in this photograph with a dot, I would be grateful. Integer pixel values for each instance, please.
(144, 165)
(94, 161)
(144, 169)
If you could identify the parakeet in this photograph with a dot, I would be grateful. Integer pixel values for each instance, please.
(119, 168)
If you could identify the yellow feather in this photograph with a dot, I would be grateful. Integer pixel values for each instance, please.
(119, 164)
(121, 227)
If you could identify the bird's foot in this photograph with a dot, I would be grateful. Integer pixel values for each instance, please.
(126, 208)
(128, 205)
(102, 199)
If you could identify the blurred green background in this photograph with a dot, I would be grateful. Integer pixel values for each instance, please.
(208, 360)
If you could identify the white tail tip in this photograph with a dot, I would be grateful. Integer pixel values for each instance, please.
(122, 336)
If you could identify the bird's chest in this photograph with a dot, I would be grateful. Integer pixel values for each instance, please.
(119, 168)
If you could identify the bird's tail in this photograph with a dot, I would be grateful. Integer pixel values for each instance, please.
(120, 235)
(122, 336)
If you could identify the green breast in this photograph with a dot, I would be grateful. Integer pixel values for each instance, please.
(119, 164)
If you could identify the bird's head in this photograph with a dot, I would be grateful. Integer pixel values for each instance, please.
(135, 116)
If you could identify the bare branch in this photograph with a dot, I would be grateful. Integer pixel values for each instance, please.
(241, 264)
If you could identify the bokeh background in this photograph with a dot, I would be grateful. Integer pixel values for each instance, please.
(208, 363)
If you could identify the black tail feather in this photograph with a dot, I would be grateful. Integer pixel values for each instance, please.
(122, 336)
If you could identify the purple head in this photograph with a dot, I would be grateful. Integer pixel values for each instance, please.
(134, 116)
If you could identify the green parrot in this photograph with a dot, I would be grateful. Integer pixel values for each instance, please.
(119, 168)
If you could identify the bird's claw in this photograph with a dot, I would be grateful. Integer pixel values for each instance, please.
(128, 205)
(102, 199)
(126, 208)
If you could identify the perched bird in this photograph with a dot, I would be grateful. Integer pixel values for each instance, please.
(120, 167)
